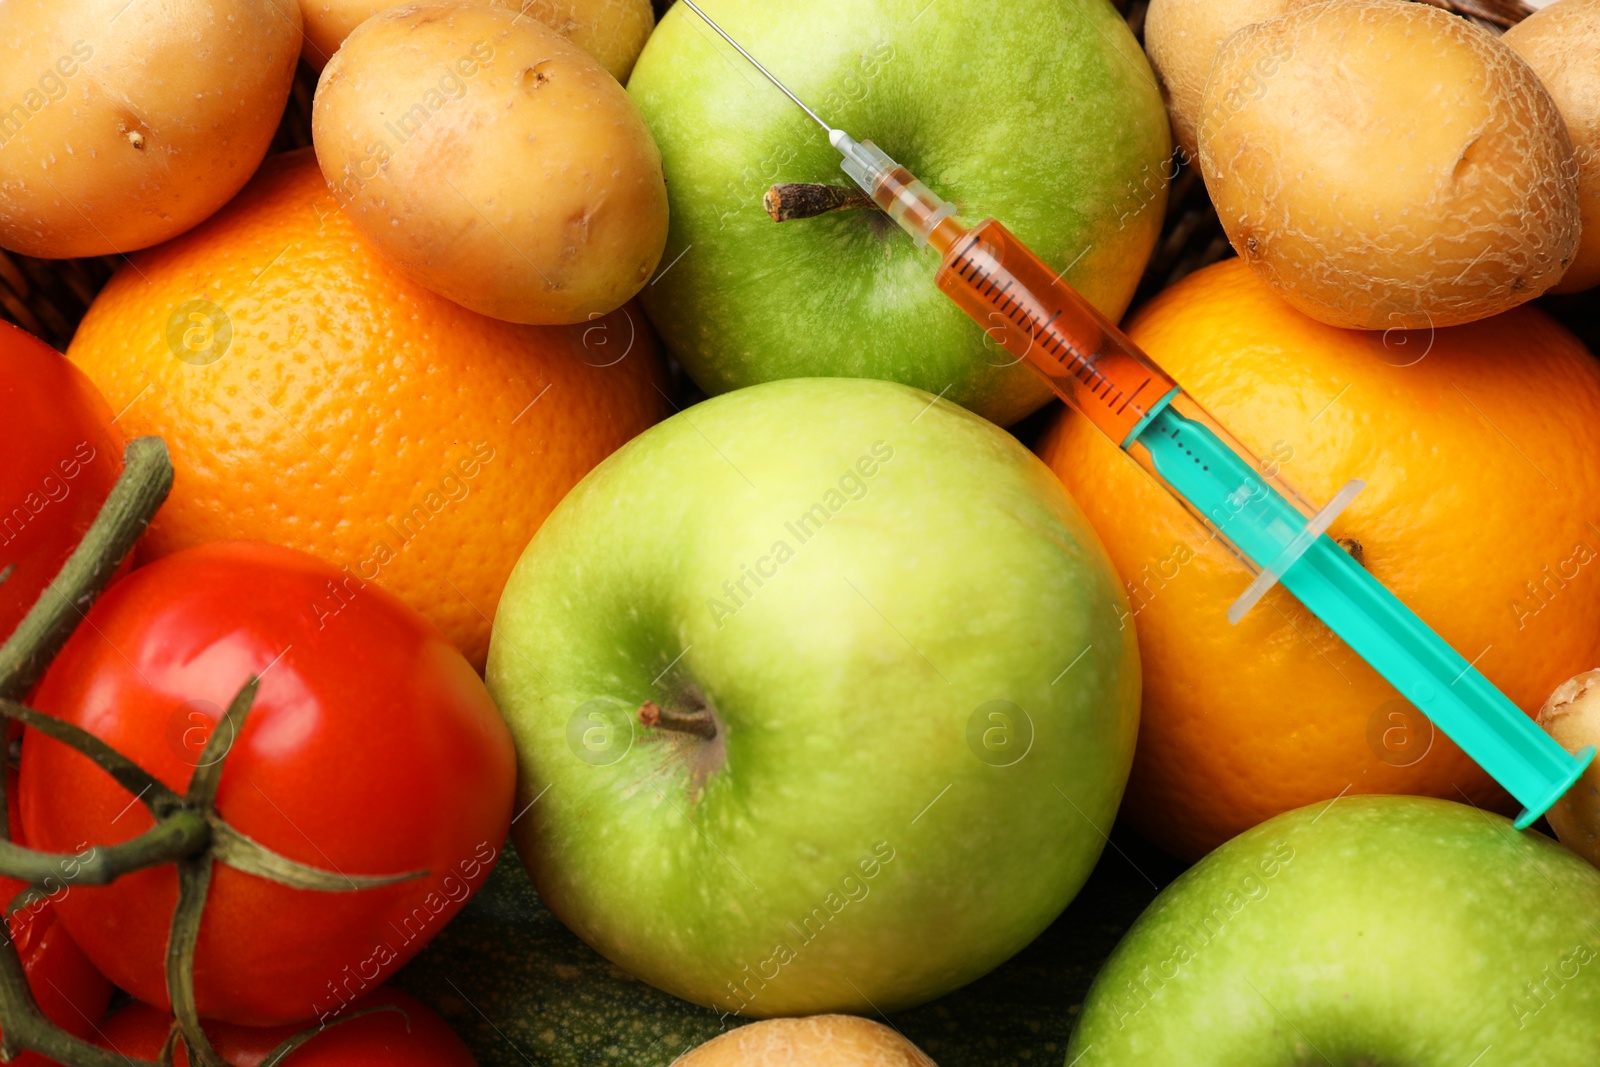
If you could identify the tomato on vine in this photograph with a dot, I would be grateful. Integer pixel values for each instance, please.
(371, 749)
(406, 1035)
(68, 989)
(62, 456)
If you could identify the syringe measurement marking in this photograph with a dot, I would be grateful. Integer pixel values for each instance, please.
(1080, 361)
(1080, 366)
(1133, 394)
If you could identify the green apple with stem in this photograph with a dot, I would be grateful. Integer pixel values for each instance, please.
(824, 695)
(1041, 113)
(1367, 931)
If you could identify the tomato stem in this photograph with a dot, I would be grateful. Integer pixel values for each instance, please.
(179, 831)
(151, 791)
(26, 1027)
(146, 477)
(179, 835)
(230, 847)
(143, 485)
(202, 794)
(194, 882)
(170, 1046)
(194, 879)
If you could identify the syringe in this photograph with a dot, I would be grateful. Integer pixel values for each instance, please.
(1040, 319)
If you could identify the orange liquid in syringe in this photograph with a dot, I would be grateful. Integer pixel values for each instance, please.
(1025, 306)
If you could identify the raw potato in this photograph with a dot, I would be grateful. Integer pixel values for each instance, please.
(1562, 44)
(817, 1041)
(329, 22)
(122, 125)
(1182, 38)
(493, 161)
(613, 31)
(1572, 717)
(1388, 165)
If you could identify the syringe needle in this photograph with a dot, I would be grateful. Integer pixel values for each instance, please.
(756, 64)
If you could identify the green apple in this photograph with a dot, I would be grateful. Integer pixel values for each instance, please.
(1369, 931)
(1041, 113)
(897, 688)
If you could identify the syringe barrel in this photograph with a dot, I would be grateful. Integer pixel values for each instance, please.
(1028, 310)
(1239, 494)
(1025, 308)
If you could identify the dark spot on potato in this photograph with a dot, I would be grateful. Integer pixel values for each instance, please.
(533, 77)
(1252, 247)
(132, 130)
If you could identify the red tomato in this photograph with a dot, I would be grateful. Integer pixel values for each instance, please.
(372, 748)
(70, 992)
(59, 457)
(411, 1037)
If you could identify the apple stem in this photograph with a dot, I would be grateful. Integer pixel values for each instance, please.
(699, 723)
(807, 200)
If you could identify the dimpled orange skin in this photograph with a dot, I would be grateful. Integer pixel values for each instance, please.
(1482, 463)
(353, 414)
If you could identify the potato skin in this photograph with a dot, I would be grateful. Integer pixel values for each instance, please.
(493, 161)
(613, 31)
(329, 22)
(1572, 717)
(118, 135)
(1387, 165)
(1182, 38)
(1562, 44)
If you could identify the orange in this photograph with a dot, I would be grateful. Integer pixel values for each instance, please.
(1480, 447)
(314, 397)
